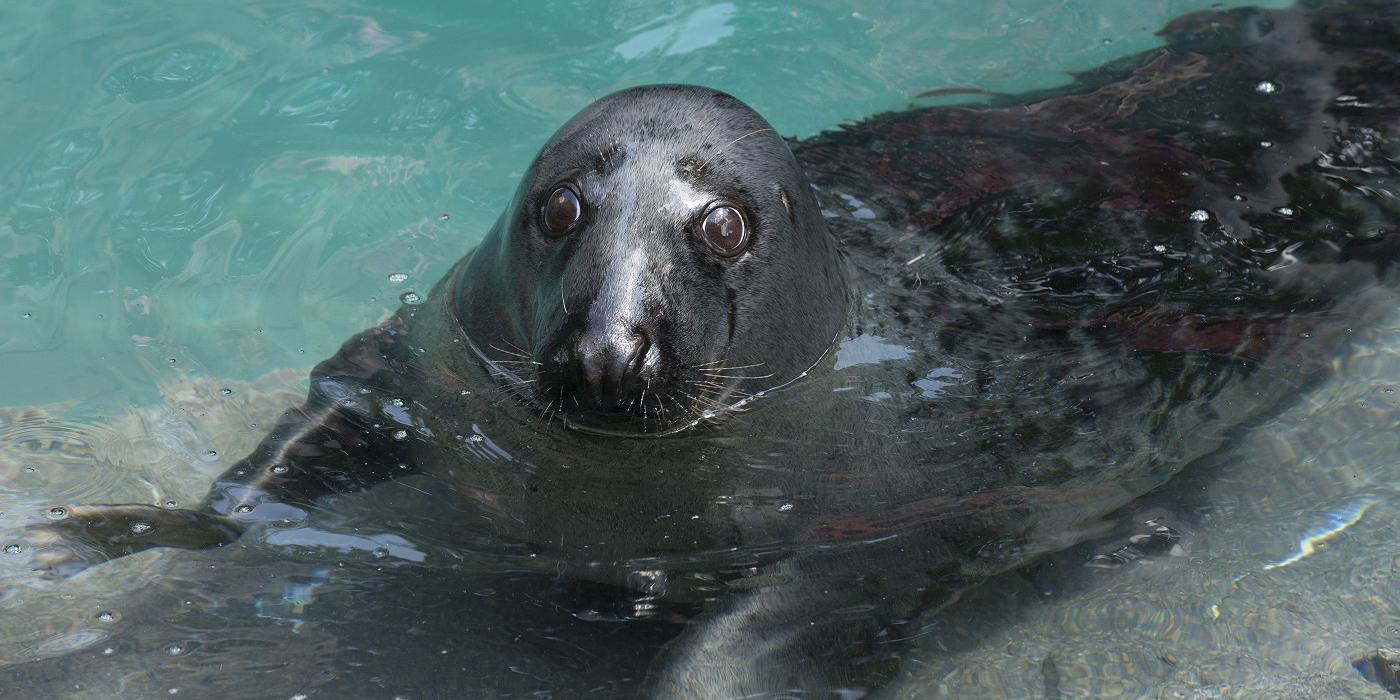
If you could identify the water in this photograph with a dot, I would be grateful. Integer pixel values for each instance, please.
(199, 202)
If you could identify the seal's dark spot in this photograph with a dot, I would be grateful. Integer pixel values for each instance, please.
(562, 211)
(725, 230)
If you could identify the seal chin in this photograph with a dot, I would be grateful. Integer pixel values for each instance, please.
(658, 409)
(619, 423)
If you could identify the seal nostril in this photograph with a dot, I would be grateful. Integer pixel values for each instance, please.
(642, 344)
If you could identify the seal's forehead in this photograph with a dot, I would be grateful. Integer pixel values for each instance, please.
(681, 117)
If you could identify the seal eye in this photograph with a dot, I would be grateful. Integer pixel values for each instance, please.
(561, 211)
(724, 229)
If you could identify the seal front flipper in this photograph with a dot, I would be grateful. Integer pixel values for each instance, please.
(348, 435)
(82, 536)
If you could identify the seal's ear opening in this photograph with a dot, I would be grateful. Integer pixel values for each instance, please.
(787, 202)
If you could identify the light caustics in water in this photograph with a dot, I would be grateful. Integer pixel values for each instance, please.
(1336, 523)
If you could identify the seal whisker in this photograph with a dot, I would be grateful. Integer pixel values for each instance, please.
(712, 403)
(737, 376)
(517, 354)
(721, 149)
(737, 367)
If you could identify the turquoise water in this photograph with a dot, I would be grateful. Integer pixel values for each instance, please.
(198, 201)
(230, 185)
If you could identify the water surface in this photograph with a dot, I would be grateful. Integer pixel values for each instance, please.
(199, 201)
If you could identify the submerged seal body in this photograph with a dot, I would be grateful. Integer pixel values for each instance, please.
(800, 391)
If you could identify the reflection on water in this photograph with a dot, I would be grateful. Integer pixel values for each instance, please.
(236, 189)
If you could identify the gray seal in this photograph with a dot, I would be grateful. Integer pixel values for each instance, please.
(803, 393)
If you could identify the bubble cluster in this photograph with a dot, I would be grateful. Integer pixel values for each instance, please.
(411, 298)
(398, 278)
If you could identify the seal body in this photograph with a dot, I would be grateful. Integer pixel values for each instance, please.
(800, 393)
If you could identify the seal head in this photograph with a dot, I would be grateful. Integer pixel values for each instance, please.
(662, 261)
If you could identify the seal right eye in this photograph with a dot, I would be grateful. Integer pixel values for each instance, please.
(561, 211)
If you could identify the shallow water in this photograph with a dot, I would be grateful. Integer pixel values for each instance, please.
(201, 201)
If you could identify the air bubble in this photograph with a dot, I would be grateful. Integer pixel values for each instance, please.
(14, 548)
(58, 513)
(279, 469)
(785, 507)
(379, 552)
(400, 434)
(174, 649)
(226, 391)
(106, 616)
(211, 454)
(411, 298)
(1266, 144)
(28, 315)
(171, 504)
(1159, 248)
(1284, 211)
(396, 402)
(172, 360)
(30, 470)
(443, 217)
(1200, 215)
(1266, 87)
(398, 278)
(245, 508)
(141, 528)
(108, 651)
(477, 438)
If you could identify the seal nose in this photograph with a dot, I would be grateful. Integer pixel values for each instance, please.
(608, 364)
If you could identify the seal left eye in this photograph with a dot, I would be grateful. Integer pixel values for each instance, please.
(725, 230)
(561, 211)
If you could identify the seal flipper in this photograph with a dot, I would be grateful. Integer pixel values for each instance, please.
(325, 446)
(809, 623)
(89, 535)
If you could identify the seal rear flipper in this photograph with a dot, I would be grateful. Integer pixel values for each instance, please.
(82, 536)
